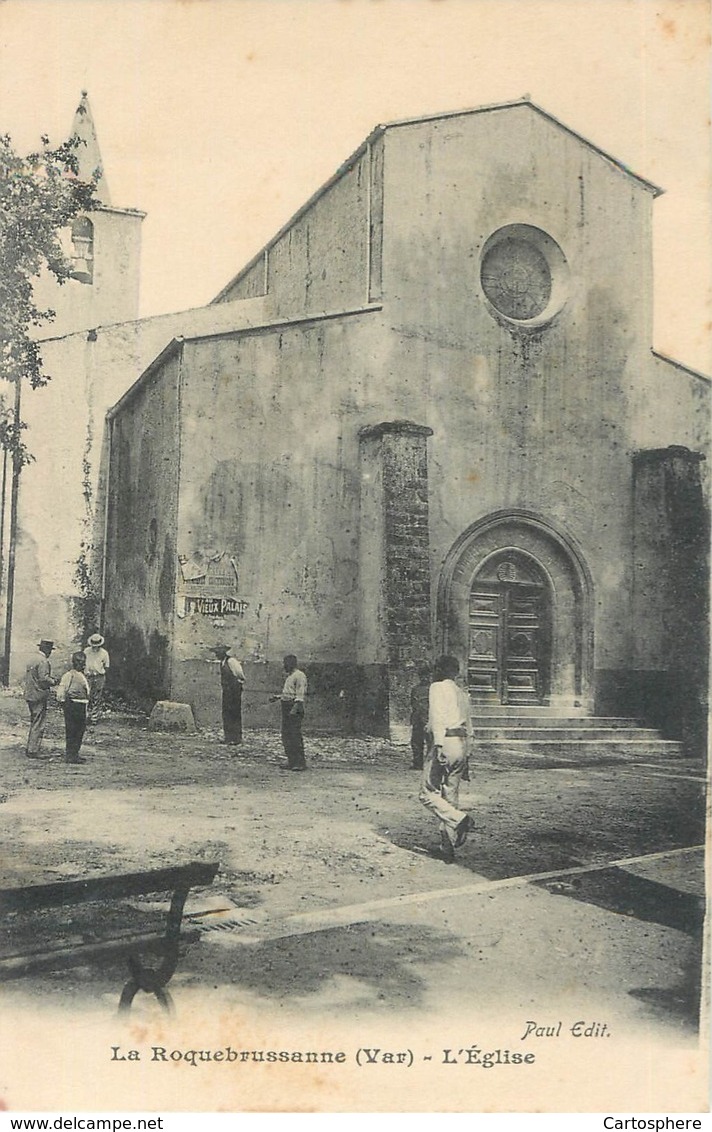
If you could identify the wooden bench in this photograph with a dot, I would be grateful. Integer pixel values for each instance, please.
(74, 946)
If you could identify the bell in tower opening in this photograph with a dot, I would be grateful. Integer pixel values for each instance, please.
(82, 250)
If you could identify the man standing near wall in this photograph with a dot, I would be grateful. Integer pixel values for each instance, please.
(292, 699)
(96, 668)
(232, 680)
(38, 681)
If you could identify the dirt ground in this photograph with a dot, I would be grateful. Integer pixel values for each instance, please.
(348, 830)
(578, 893)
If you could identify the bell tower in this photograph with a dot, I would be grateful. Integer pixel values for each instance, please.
(104, 246)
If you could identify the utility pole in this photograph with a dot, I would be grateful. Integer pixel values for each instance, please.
(12, 539)
(3, 496)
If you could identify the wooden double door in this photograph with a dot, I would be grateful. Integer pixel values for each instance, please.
(509, 635)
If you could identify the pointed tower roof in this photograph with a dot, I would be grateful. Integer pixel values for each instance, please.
(88, 153)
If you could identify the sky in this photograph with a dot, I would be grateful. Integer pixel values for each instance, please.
(219, 118)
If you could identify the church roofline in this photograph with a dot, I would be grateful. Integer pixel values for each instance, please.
(304, 208)
(381, 130)
(122, 211)
(82, 331)
(175, 345)
(526, 101)
(267, 327)
(680, 365)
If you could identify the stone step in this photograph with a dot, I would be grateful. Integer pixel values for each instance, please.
(505, 719)
(534, 710)
(569, 732)
(574, 751)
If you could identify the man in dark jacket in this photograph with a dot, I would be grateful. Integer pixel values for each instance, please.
(232, 679)
(38, 681)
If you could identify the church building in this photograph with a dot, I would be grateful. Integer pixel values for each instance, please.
(448, 432)
(426, 417)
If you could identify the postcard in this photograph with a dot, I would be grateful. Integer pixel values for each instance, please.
(354, 532)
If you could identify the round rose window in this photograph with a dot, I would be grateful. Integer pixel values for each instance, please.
(523, 273)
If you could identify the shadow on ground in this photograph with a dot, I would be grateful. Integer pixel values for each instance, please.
(488, 855)
(363, 965)
(646, 900)
(383, 958)
(619, 891)
(681, 1002)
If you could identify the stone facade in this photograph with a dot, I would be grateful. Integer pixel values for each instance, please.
(426, 416)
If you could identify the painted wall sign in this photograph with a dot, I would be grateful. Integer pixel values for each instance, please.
(214, 570)
(216, 606)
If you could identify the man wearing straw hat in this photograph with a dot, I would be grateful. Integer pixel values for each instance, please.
(97, 666)
(38, 681)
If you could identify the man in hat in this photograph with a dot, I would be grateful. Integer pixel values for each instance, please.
(232, 679)
(38, 681)
(95, 670)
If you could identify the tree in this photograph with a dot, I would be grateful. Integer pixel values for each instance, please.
(40, 195)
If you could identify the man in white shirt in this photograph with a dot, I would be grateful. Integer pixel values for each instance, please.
(292, 698)
(73, 695)
(450, 728)
(97, 666)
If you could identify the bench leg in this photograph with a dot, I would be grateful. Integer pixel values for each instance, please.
(131, 990)
(164, 997)
(127, 996)
(150, 981)
(154, 980)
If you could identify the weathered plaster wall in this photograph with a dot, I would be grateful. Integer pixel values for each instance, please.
(320, 262)
(52, 502)
(269, 476)
(141, 533)
(670, 596)
(538, 419)
(252, 282)
(114, 292)
(61, 508)
(671, 405)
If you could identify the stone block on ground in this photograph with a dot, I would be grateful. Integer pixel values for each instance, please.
(170, 716)
(400, 734)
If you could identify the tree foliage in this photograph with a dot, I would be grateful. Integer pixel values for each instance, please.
(40, 195)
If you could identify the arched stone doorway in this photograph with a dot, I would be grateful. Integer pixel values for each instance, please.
(515, 605)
